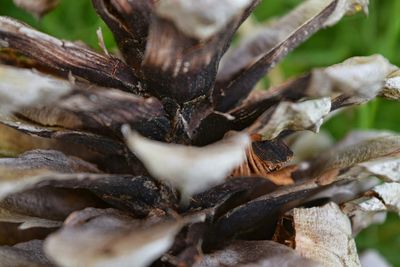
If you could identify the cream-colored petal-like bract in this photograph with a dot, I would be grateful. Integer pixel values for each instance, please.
(20, 88)
(107, 238)
(306, 115)
(387, 168)
(361, 77)
(390, 195)
(37, 7)
(324, 234)
(201, 19)
(392, 86)
(191, 169)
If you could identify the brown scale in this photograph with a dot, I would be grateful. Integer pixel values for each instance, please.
(267, 159)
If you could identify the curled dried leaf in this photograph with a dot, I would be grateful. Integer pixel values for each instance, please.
(191, 169)
(324, 234)
(307, 115)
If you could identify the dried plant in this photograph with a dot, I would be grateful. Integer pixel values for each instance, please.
(164, 155)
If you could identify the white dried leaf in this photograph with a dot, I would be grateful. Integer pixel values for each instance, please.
(390, 195)
(21, 87)
(37, 7)
(106, 241)
(201, 19)
(25, 221)
(372, 258)
(323, 234)
(385, 168)
(364, 211)
(297, 116)
(191, 169)
(361, 77)
(392, 86)
(140, 248)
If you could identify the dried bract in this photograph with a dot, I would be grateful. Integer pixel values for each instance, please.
(37, 7)
(23, 88)
(192, 169)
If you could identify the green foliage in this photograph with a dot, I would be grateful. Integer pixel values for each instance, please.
(353, 36)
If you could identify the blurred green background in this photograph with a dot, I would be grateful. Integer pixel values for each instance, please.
(354, 36)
